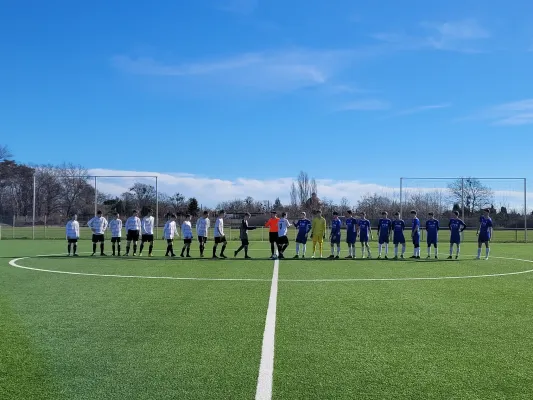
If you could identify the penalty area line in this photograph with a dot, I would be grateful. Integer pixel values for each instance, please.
(266, 367)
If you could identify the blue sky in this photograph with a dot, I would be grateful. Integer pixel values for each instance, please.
(257, 87)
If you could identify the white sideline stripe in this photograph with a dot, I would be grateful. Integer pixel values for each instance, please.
(13, 263)
(266, 368)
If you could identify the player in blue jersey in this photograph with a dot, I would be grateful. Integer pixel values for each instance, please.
(456, 226)
(432, 231)
(415, 234)
(365, 234)
(351, 233)
(335, 235)
(484, 233)
(384, 231)
(398, 226)
(303, 225)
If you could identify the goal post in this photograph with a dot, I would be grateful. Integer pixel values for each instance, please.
(506, 197)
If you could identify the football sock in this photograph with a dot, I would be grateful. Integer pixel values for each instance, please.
(386, 249)
(458, 249)
(94, 247)
(369, 254)
(297, 248)
(429, 251)
(284, 248)
(141, 248)
(128, 249)
(75, 248)
(113, 248)
(451, 249)
(272, 248)
(305, 248)
(487, 252)
(101, 248)
(379, 249)
(338, 249)
(239, 249)
(150, 248)
(222, 250)
(479, 252)
(246, 251)
(321, 246)
(436, 251)
(118, 248)
(182, 250)
(403, 249)
(134, 248)
(332, 249)
(68, 248)
(214, 250)
(395, 251)
(202, 247)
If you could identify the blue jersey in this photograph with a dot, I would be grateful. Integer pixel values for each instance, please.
(351, 230)
(364, 229)
(303, 226)
(384, 227)
(485, 223)
(432, 229)
(416, 224)
(398, 227)
(336, 230)
(456, 227)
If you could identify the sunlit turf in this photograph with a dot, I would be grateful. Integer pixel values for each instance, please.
(96, 337)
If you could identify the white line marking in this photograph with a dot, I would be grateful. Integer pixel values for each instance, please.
(13, 263)
(266, 368)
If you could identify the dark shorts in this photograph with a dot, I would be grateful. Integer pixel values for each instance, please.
(245, 242)
(98, 238)
(273, 237)
(132, 235)
(187, 241)
(169, 241)
(432, 241)
(147, 238)
(455, 240)
(363, 239)
(115, 240)
(383, 240)
(399, 240)
(202, 239)
(220, 239)
(416, 240)
(282, 240)
(72, 240)
(302, 239)
(482, 238)
(351, 239)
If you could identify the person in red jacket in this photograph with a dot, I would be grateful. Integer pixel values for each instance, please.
(272, 225)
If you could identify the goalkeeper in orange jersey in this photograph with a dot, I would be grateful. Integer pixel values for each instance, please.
(318, 232)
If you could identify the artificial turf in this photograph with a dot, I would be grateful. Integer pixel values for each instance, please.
(97, 337)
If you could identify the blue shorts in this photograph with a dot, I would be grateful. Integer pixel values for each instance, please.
(483, 237)
(455, 239)
(399, 239)
(432, 241)
(363, 239)
(351, 239)
(302, 239)
(416, 240)
(336, 241)
(383, 240)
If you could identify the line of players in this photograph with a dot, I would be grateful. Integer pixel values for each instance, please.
(361, 228)
(278, 230)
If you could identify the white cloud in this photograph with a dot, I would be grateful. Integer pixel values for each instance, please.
(460, 36)
(513, 113)
(419, 109)
(365, 105)
(211, 191)
(268, 71)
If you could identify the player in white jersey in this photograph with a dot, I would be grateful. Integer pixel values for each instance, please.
(98, 225)
(219, 235)
(186, 232)
(202, 227)
(116, 233)
(73, 234)
(147, 233)
(283, 239)
(169, 231)
(133, 229)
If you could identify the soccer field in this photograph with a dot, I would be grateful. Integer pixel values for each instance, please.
(143, 328)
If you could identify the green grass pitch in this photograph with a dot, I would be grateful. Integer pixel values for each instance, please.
(345, 329)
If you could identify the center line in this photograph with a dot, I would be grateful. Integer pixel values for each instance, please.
(266, 368)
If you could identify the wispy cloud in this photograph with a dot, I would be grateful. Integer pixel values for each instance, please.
(238, 6)
(211, 191)
(270, 71)
(420, 109)
(513, 113)
(365, 105)
(460, 36)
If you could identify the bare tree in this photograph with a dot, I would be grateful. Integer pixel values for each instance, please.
(472, 191)
(5, 154)
(48, 190)
(294, 195)
(75, 189)
(344, 205)
(304, 187)
(145, 195)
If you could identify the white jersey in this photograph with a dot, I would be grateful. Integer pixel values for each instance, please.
(116, 228)
(133, 224)
(283, 226)
(186, 230)
(98, 225)
(73, 230)
(147, 226)
(202, 226)
(219, 227)
(170, 230)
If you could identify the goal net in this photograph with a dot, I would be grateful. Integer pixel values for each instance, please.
(505, 197)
